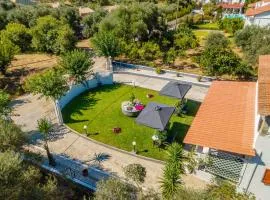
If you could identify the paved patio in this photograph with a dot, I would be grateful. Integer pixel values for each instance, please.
(29, 109)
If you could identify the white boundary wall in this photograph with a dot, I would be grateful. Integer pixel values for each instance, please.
(104, 78)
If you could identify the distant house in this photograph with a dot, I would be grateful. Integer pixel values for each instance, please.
(258, 13)
(232, 128)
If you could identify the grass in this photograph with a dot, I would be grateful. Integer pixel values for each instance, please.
(100, 110)
(208, 26)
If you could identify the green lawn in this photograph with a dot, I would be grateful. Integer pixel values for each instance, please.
(100, 110)
(201, 35)
(209, 26)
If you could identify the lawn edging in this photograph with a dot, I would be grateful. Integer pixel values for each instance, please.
(114, 148)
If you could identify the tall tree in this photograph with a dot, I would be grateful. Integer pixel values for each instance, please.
(11, 136)
(77, 64)
(113, 188)
(19, 35)
(7, 52)
(44, 127)
(50, 84)
(52, 36)
(18, 180)
(107, 44)
(4, 104)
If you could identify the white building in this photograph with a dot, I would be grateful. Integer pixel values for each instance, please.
(232, 127)
(258, 13)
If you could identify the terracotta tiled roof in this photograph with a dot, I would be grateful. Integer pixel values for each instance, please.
(255, 11)
(225, 120)
(264, 85)
(232, 5)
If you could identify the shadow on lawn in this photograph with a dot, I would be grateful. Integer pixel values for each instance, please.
(192, 107)
(85, 101)
(177, 132)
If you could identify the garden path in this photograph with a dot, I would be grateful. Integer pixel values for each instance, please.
(28, 109)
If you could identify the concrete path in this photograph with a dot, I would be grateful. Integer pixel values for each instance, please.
(196, 93)
(168, 75)
(29, 109)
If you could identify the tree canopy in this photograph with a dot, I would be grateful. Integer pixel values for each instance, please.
(77, 64)
(52, 36)
(50, 84)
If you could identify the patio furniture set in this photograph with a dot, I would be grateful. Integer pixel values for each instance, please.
(156, 115)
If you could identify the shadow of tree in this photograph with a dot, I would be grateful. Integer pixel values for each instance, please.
(85, 101)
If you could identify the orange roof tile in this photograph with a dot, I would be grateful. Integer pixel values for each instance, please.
(264, 85)
(226, 118)
(232, 5)
(255, 11)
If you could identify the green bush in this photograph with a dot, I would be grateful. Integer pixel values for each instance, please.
(158, 70)
(216, 40)
(231, 25)
(254, 41)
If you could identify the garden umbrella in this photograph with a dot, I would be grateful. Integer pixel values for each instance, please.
(175, 89)
(155, 115)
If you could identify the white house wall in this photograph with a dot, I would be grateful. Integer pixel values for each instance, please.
(254, 170)
(260, 20)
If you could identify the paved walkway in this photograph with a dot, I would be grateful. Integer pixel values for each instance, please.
(196, 93)
(29, 109)
(168, 75)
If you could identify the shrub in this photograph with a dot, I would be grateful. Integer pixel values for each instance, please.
(216, 40)
(184, 38)
(135, 172)
(254, 41)
(19, 35)
(159, 70)
(231, 25)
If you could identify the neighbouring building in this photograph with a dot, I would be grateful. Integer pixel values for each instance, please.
(258, 13)
(232, 128)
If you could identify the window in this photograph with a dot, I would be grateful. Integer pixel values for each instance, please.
(266, 177)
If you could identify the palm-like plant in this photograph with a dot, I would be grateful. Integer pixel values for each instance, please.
(174, 168)
(44, 127)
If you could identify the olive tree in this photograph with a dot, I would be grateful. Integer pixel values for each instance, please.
(7, 52)
(19, 35)
(11, 136)
(114, 189)
(50, 84)
(4, 104)
(77, 64)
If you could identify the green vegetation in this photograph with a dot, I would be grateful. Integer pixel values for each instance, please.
(44, 127)
(50, 84)
(135, 173)
(77, 64)
(254, 41)
(218, 59)
(208, 26)
(52, 36)
(4, 104)
(231, 25)
(100, 110)
(174, 168)
(7, 52)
